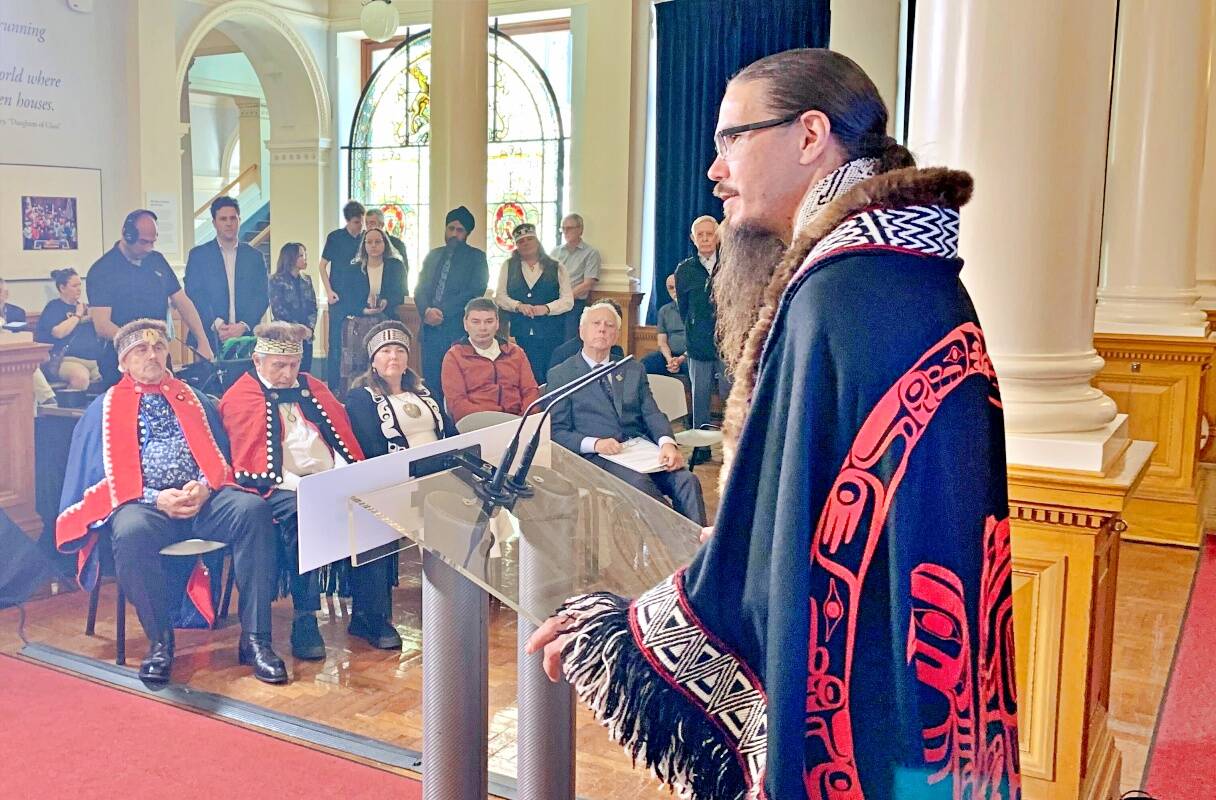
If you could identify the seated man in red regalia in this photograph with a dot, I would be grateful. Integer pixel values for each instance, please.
(286, 424)
(147, 461)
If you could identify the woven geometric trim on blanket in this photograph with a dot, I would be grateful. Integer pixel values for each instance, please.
(920, 230)
(705, 671)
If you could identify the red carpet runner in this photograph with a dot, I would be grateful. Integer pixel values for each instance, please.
(1181, 763)
(63, 736)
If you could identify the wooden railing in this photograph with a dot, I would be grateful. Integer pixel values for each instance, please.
(262, 236)
(198, 212)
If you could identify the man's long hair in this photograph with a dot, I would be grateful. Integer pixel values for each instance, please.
(796, 80)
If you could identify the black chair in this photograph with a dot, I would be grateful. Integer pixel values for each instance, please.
(189, 547)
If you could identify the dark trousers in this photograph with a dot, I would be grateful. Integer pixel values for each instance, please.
(240, 519)
(436, 341)
(306, 362)
(539, 350)
(573, 319)
(333, 358)
(370, 584)
(107, 365)
(704, 375)
(656, 364)
(681, 486)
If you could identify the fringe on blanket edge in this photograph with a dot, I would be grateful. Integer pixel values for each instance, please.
(643, 713)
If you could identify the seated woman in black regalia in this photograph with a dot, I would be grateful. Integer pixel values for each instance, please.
(389, 407)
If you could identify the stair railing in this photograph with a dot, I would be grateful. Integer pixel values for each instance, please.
(198, 212)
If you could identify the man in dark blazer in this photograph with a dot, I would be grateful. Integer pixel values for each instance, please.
(597, 419)
(694, 297)
(227, 279)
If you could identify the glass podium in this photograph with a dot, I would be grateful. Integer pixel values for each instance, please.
(579, 530)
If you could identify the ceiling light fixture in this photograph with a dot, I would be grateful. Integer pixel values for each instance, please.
(380, 19)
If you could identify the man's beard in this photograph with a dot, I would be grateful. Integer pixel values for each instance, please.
(746, 261)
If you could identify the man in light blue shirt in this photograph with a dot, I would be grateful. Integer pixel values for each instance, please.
(582, 263)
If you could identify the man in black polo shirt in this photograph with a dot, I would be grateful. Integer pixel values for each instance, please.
(341, 279)
(133, 281)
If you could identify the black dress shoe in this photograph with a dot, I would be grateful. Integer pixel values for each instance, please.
(158, 663)
(306, 641)
(377, 632)
(255, 651)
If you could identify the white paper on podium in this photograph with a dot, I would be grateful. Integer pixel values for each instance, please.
(322, 501)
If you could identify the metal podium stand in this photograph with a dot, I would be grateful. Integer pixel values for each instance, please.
(582, 530)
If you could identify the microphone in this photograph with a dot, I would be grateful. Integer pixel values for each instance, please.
(519, 481)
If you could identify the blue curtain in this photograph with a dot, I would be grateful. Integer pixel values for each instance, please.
(701, 43)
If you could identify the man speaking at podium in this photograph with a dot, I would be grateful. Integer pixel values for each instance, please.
(596, 420)
(847, 632)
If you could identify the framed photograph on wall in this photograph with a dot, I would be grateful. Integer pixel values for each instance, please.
(50, 217)
(49, 223)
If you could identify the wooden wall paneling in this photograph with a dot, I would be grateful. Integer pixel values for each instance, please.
(1162, 384)
(629, 302)
(645, 339)
(19, 357)
(1038, 601)
(1065, 539)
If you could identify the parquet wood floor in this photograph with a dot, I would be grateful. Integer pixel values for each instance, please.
(1154, 585)
(378, 694)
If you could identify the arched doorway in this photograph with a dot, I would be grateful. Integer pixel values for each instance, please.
(297, 104)
(225, 152)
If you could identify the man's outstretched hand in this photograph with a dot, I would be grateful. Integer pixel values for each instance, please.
(551, 640)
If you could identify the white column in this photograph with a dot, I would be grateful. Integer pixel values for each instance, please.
(608, 103)
(187, 171)
(298, 211)
(459, 62)
(1030, 236)
(1205, 242)
(250, 142)
(155, 150)
(1158, 128)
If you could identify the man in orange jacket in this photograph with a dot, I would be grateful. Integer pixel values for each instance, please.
(483, 372)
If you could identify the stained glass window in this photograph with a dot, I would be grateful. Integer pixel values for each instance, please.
(527, 141)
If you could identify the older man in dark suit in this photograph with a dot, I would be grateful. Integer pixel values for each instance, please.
(596, 420)
(227, 279)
